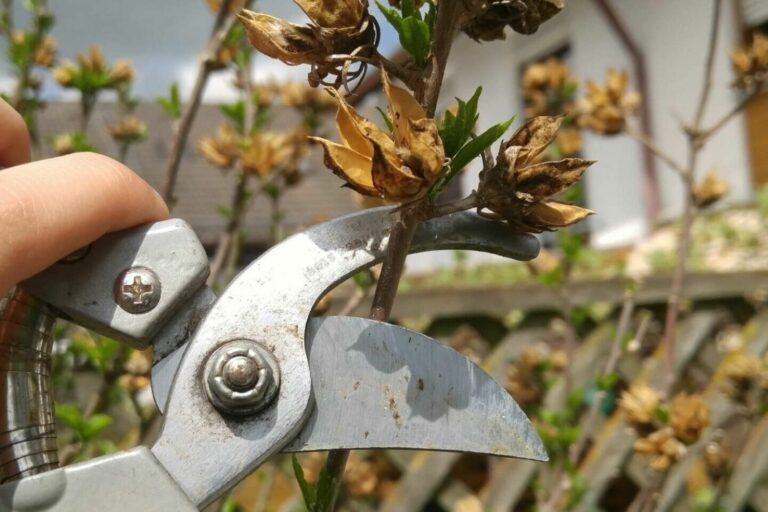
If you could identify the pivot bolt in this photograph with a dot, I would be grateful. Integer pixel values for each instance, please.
(137, 290)
(242, 377)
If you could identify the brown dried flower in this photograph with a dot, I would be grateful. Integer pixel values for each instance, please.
(395, 167)
(517, 190)
(525, 379)
(488, 18)
(688, 417)
(605, 108)
(121, 72)
(751, 63)
(360, 478)
(222, 150)
(133, 383)
(639, 404)
(710, 190)
(259, 154)
(547, 87)
(299, 95)
(743, 373)
(92, 72)
(569, 141)
(63, 144)
(263, 151)
(338, 28)
(664, 446)
(45, 53)
(128, 129)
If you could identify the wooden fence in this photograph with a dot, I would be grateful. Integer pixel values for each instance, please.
(610, 468)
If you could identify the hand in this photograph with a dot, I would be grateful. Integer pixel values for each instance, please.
(50, 208)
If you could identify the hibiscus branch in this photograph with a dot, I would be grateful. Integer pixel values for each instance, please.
(659, 153)
(406, 219)
(221, 27)
(695, 144)
(705, 134)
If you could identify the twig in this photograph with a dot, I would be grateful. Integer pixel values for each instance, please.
(222, 25)
(709, 132)
(708, 67)
(689, 209)
(228, 239)
(406, 218)
(657, 151)
(445, 23)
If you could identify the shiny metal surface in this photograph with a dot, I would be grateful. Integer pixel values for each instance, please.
(27, 428)
(130, 481)
(83, 289)
(271, 301)
(242, 377)
(405, 391)
(171, 342)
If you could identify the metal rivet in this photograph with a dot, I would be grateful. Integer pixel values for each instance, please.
(241, 377)
(137, 290)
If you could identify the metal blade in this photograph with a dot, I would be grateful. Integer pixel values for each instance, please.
(377, 385)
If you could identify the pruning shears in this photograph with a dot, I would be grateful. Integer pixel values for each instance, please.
(251, 373)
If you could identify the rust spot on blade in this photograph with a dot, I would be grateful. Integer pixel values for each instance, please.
(392, 406)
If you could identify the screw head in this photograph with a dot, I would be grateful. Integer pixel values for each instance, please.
(241, 377)
(137, 290)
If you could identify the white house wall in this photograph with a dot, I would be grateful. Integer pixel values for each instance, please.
(673, 36)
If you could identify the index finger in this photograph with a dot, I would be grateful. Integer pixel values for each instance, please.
(14, 137)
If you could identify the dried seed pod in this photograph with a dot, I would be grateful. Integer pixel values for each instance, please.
(664, 446)
(688, 417)
(45, 53)
(374, 163)
(92, 73)
(750, 63)
(222, 150)
(639, 405)
(517, 190)
(339, 31)
(128, 129)
(605, 108)
(487, 19)
(710, 190)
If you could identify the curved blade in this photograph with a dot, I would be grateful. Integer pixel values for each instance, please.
(377, 385)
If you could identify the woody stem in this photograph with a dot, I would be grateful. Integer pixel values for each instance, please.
(406, 219)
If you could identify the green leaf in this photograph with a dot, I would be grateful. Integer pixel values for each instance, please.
(307, 490)
(229, 505)
(415, 33)
(408, 8)
(326, 488)
(474, 147)
(172, 104)
(429, 18)
(456, 130)
(235, 112)
(69, 415)
(387, 120)
(93, 425)
(416, 38)
(363, 279)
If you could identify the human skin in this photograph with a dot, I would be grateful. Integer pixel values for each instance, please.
(50, 208)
